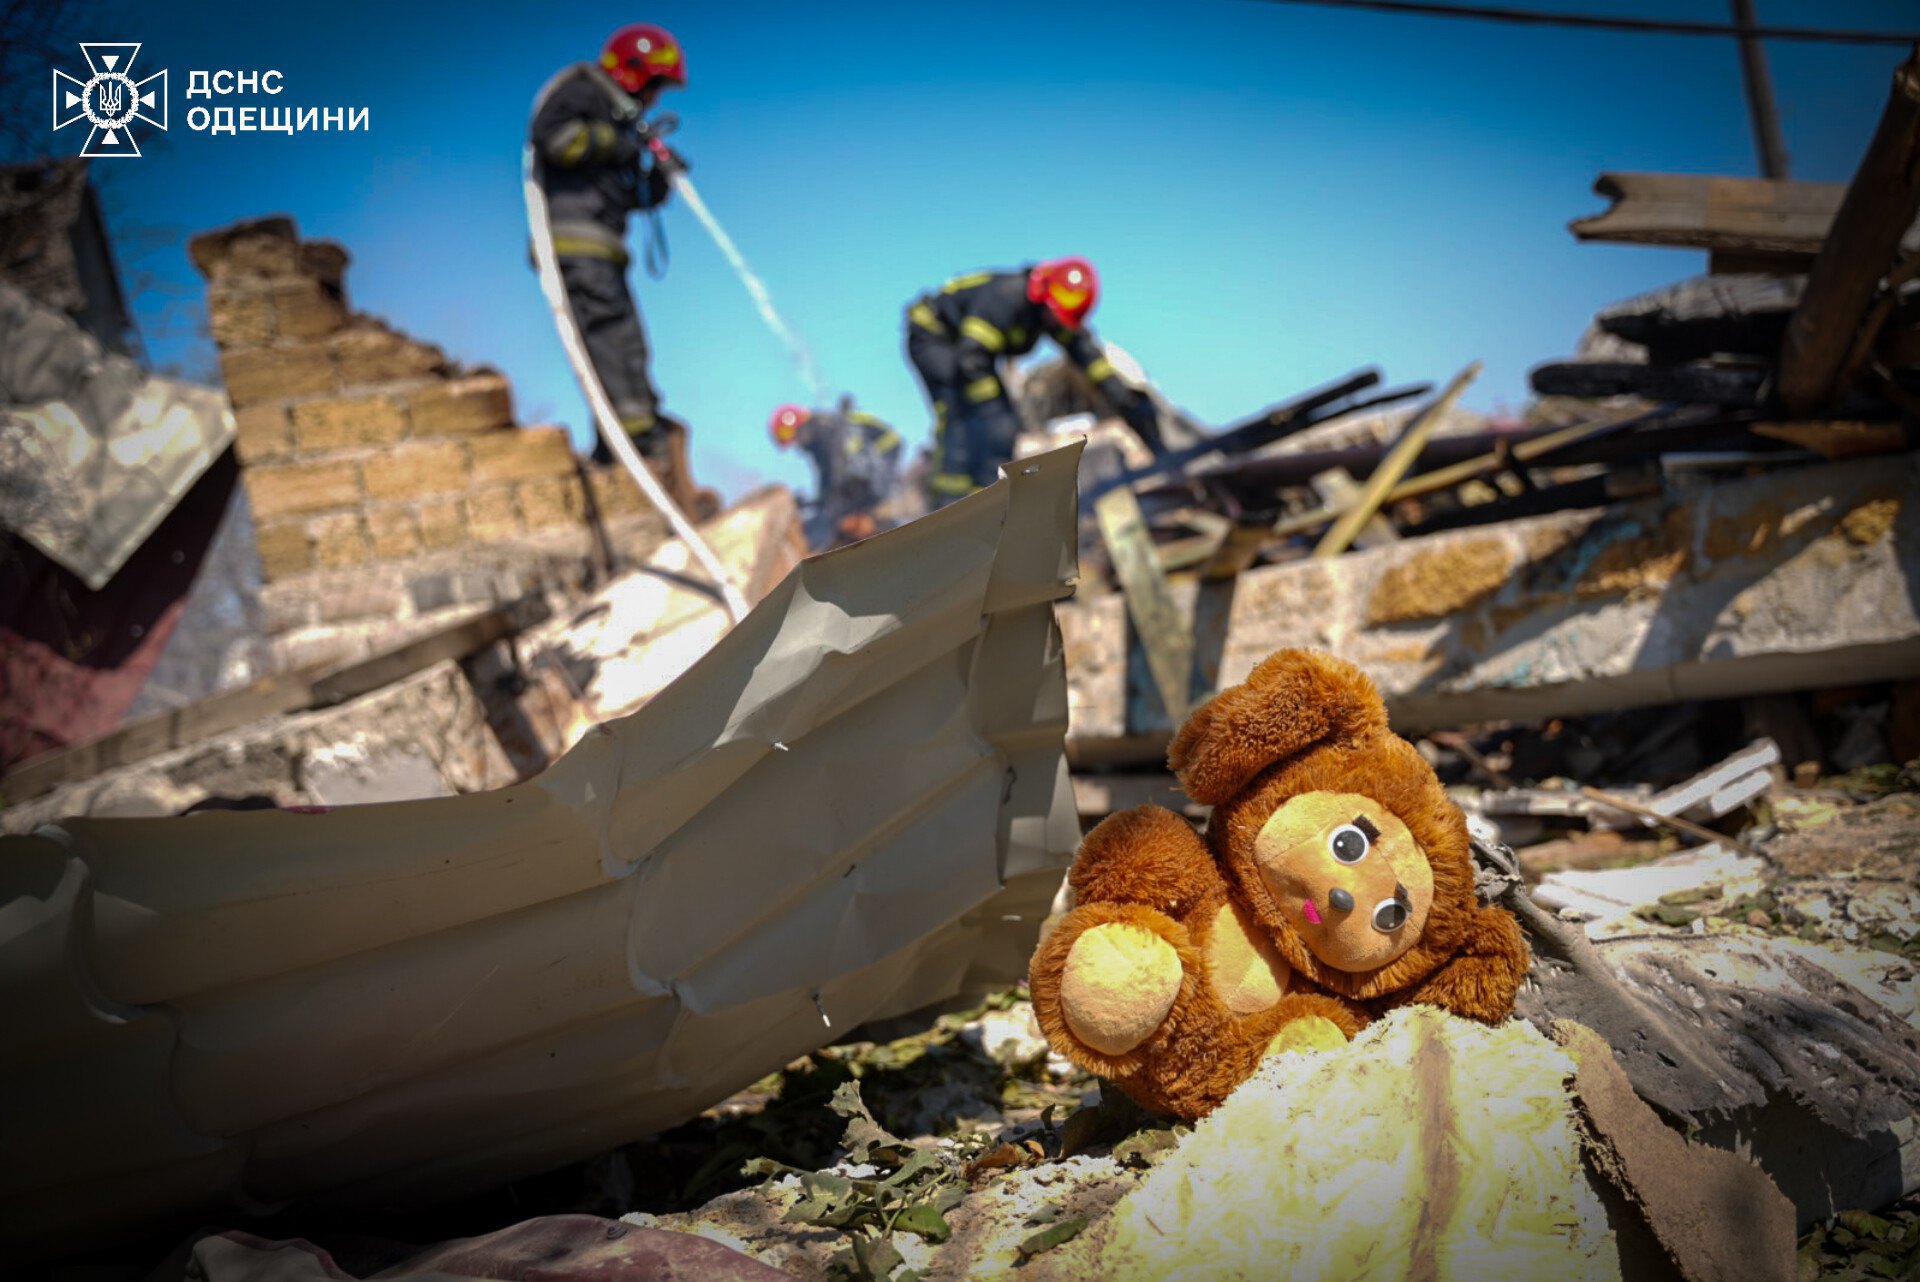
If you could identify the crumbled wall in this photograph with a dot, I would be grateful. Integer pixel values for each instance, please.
(360, 444)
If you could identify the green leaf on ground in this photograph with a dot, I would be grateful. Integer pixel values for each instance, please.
(865, 1257)
(1048, 1238)
(829, 1201)
(915, 1168)
(1866, 1224)
(924, 1220)
(866, 1139)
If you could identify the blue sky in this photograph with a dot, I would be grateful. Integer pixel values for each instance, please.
(1274, 195)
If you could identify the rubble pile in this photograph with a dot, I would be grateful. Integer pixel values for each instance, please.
(1722, 508)
(575, 853)
(449, 600)
(1088, 1185)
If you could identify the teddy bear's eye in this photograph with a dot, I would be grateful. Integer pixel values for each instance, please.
(1349, 844)
(1389, 915)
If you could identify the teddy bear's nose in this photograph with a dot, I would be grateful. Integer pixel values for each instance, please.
(1340, 899)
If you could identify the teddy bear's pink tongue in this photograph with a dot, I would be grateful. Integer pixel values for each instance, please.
(1311, 913)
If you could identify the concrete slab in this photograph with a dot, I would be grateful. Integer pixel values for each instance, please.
(1792, 580)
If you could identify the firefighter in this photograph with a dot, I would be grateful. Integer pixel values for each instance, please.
(597, 168)
(956, 339)
(855, 461)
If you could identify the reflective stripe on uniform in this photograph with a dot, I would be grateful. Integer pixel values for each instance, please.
(638, 424)
(570, 142)
(984, 334)
(583, 238)
(982, 389)
(1101, 370)
(576, 247)
(922, 315)
(951, 483)
(602, 137)
(968, 281)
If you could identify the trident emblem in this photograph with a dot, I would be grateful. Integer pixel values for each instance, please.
(110, 100)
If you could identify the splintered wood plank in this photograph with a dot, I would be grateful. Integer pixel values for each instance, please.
(1725, 215)
(1680, 1188)
(1394, 466)
(1163, 631)
(1862, 244)
(1836, 440)
(1446, 478)
(1337, 488)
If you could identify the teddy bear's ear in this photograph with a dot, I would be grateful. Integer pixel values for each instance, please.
(1293, 700)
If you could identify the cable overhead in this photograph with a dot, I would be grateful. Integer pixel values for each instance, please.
(1661, 26)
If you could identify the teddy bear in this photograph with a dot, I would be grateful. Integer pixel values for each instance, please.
(1333, 884)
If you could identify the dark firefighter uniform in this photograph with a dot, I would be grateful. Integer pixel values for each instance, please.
(596, 172)
(855, 458)
(956, 338)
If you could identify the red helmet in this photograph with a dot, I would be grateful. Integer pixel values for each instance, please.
(785, 423)
(1068, 286)
(640, 52)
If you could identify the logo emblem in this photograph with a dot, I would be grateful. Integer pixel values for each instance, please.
(110, 100)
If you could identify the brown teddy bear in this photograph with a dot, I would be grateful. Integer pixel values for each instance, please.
(1334, 883)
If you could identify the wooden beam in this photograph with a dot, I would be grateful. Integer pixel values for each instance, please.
(455, 641)
(1163, 631)
(1268, 426)
(1732, 217)
(1236, 553)
(1394, 466)
(1837, 440)
(1880, 206)
(1184, 554)
(1337, 488)
(1467, 469)
(1211, 529)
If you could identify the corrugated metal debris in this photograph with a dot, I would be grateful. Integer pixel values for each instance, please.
(411, 999)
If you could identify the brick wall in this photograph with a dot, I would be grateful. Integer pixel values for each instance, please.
(361, 445)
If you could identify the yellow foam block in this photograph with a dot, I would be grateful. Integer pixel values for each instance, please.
(1428, 1147)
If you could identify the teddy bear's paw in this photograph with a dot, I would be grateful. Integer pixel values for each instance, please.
(1118, 984)
(1307, 1033)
